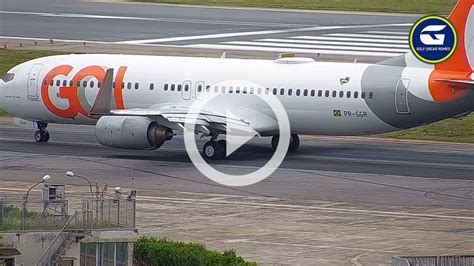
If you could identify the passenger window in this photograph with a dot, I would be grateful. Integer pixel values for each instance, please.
(64, 83)
(208, 88)
(8, 77)
(99, 84)
(334, 94)
(326, 93)
(290, 92)
(267, 91)
(363, 95)
(199, 89)
(173, 87)
(152, 86)
(298, 92)
(136, 86)
(216, 89)
(320, 93)
(275, 91)
(259, 90)
(45, 82)
(341, 94)
(129, 85)
(123, 85)
(348, 95)
(305, 93)
(313, 93)
(58, 83)
(179, 87)
(223, 89)
(114, 84)
(51, 82)
(166, 87)
(282, 91)
(244, 90)
(252, 89)
(84, 84)
(231, 89)
(371, 95)
(356, 94)
(186, 87)
(237, 90)
(92, 84)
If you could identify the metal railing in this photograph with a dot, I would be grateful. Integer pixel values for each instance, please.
(95, 213)
(52, 254)
(434, 261)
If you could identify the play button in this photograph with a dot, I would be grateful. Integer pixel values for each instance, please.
(236, 134)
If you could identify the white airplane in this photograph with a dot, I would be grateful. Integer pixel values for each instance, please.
(139, 102)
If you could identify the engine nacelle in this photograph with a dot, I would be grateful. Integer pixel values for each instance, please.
(130, 132)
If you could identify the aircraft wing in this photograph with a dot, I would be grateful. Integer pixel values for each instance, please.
(175, 117)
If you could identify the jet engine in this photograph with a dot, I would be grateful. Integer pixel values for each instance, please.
(130, 132)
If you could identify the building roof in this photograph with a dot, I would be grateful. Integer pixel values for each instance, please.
(8, 252)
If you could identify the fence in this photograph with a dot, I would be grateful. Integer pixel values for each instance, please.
(434, 261)
(97, 211)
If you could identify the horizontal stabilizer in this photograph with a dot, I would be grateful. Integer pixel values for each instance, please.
(459, 84)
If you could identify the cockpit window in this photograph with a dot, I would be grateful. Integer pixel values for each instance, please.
(8, 77)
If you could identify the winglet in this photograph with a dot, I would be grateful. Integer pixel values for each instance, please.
(104, 102)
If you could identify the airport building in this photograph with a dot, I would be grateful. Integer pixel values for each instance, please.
(96, 228)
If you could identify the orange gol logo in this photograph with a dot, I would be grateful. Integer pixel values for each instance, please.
(76, 99)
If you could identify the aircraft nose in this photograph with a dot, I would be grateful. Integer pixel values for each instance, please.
(2, 93)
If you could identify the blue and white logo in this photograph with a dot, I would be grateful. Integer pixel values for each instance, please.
(433, 39)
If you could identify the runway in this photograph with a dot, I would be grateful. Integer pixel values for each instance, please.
(335, 169)
(368, 37)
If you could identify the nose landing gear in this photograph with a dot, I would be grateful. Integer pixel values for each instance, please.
(41, 135)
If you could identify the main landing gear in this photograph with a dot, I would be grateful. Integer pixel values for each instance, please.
(41, 135)
(294, 143)
(214, 149)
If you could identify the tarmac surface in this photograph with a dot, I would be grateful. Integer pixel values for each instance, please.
(338, 201)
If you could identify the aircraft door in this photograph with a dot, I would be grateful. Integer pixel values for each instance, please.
(401, 96)
(187, 90)
(32, 86)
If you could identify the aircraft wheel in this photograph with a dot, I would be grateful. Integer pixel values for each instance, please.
(213, 150)
(41, 136)
(294, 143)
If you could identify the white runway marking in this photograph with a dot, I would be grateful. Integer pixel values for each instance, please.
(337, 43)
(388, 32)
(308, 46)
(349, 39)
(291, 50)
(174, 20)
(368, 36)
(250, 33)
